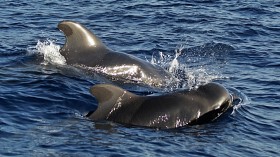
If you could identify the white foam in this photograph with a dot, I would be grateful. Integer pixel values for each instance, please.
(50, 51)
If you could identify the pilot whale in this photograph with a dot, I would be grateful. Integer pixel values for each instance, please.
(170, 110)
(84, 49)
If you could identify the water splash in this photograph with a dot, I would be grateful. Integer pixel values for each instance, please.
(174, 64)
(50, 52)
(190, 73)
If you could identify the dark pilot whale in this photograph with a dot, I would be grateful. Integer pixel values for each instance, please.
(83, 49)
(171, 110)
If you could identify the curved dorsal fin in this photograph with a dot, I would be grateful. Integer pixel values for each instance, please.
(78, 38)
(108, 97)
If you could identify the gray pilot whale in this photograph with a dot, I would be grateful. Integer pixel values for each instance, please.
(171, 110)
(84, 49)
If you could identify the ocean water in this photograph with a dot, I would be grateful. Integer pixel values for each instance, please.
(43, 101)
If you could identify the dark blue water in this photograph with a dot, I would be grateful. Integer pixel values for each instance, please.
(43, 101)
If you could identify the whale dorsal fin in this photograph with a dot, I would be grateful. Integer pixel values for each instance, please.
(78, 40)
(109, 97)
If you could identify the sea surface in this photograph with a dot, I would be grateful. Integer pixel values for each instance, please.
(43, 101)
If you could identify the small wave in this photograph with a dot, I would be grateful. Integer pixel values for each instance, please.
(50, 51)
(239, 99)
